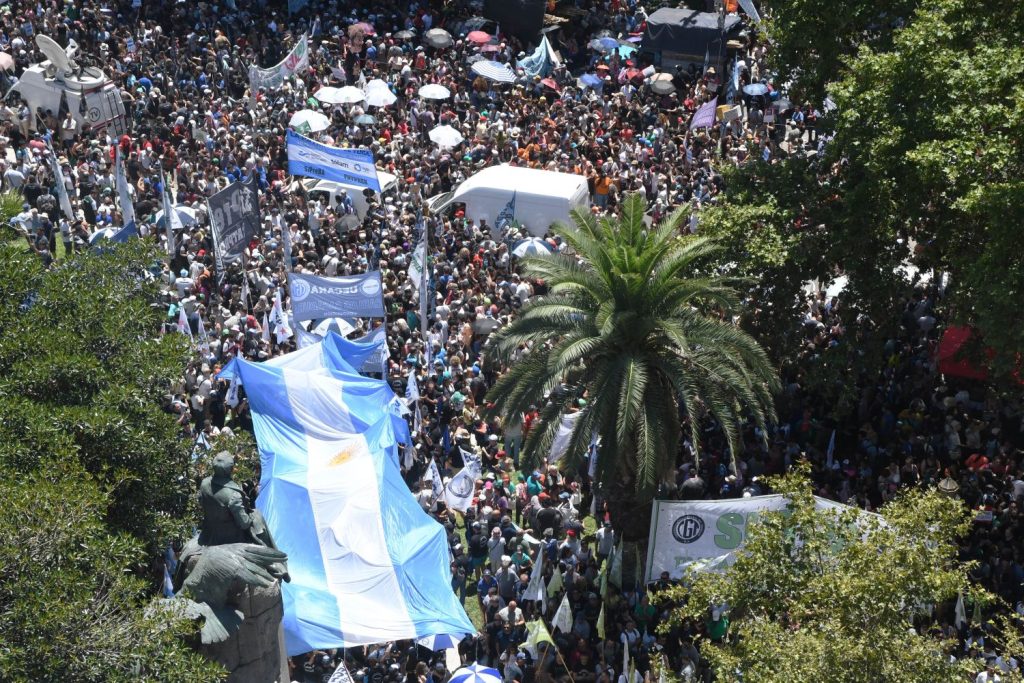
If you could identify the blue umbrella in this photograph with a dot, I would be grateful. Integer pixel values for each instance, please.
(591, 81)
(604, 44)
(475, 673)
(755, 89)
(439, 641)
(626, 50)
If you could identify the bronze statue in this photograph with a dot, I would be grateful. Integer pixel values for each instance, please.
(233, 550)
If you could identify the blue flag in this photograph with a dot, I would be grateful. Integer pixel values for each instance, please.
(507, 216)
(311, 159)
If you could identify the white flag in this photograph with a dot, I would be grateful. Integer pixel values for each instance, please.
(286, 239)
(960, 619)
(535, 589)
(58, 179)
(123, 194)
(204, 339)
(458, 495)
(232, 397)
(183, 326)
(830, 453)
(434, 477)
(615, 567)
(266, 328)
(340, 675)
(282, 331)
(172, 222)
(412, 390)
(563, 617)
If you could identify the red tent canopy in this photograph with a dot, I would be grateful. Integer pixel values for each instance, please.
(953, 340)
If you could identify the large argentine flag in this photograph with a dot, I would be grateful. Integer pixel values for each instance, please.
(367, 564)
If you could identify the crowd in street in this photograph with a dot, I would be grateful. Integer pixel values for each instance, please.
(182, 69)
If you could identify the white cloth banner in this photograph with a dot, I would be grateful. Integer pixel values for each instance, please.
(563, 617)
(297, 60)
(706, 532)
(560, 444)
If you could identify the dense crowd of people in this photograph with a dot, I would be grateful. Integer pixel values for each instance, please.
(182, 69)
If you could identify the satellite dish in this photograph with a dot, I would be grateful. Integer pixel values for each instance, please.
(54, 52)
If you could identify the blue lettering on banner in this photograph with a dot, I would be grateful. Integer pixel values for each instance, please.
(314, 160)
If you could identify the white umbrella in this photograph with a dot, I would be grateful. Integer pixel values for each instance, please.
(378, 94)
(339, 325)
(446, 136)
(186, 214)
(309, 120)
(494, 71)
(348, 94)
(434, 91)
(330, 95)
(476, 673)
(531, 246)
(438, 37)
(106, 234)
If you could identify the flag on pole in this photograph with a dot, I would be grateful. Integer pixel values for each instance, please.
(535, 589)
(58, 179)
(423, 285)
(286, 239)
(172, 221)
(183, 326)
(341, 674)
(245, 291)
(282, 331)
(507, 216)
(831, 451)
(458, 494)
(960, 618)
(705, 116)
(615, 571)
(232, 396)
(434, 476)
(123, 194)
(600, 622)
(204, 339)
(563, 617)
(625, 664)
(556, 582)
(266, 328)
(536, 633)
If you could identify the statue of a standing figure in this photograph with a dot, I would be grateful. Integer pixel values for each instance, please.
(233, 551)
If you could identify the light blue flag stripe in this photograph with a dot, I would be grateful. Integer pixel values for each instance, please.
(367, 564)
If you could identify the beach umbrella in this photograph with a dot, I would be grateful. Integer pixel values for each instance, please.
(6, 61)
(446, 136)
(495, 71)
(531, 246)
(309, 120)
(339, 325)
(438, 37)
(479, 37)
(755, 89)
(348, 94)
(378, 94)
(662, 87)
(186, 215)
(604, 44)
(434, 91)
(550, 83)
(365, 120)
(361, 27)
(476, 673)
(440, 641)
(405, 34)
(330, 95)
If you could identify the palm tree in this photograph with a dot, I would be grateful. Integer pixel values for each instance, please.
(632, 329)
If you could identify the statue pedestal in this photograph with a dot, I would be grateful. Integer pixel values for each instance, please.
(255, 654)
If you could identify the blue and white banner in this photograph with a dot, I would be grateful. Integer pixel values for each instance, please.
(124, 195)
(352, 296)
(367, 564)
(347, 166)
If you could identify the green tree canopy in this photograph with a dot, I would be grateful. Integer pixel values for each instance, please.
(94, 474)
(631, 335)
(839, 596)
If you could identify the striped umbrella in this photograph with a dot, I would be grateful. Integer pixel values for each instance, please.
(495, 71)
(439, 641)
(475, 673)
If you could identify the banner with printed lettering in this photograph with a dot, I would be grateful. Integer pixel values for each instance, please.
(356, 296)
(346, 166)
(706, 533)
(235, 219)
(297, 60)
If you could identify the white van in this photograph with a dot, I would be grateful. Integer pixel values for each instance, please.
(90, 96)
(531, 197)
(326, 191)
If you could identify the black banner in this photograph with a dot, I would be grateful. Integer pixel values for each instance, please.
(235, 219)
